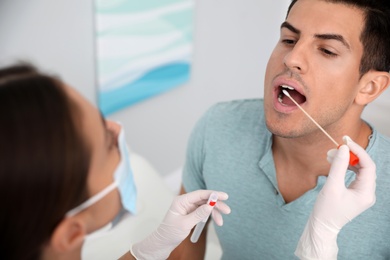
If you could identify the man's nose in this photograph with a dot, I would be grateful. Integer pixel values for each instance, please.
(296, 58)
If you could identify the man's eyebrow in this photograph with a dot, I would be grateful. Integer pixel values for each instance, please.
(290, 27)
(326, 36)
(336, 37)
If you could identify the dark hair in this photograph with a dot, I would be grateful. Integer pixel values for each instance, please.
(375, 35)
(44, 160)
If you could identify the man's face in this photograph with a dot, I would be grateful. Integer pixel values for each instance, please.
(318, 54)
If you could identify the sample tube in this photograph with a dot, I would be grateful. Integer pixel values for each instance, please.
(199, 227)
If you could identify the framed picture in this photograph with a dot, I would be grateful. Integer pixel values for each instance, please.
(143, 48)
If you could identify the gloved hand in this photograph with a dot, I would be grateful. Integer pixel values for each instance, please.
(186, 211)
(336, 204)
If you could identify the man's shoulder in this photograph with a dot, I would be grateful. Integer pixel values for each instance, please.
(379, 151)
(380, 147)
(245, 115)
(238, 107)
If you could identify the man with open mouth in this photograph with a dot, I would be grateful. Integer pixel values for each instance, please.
(333, 58)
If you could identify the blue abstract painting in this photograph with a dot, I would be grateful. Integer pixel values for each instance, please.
(143, 48)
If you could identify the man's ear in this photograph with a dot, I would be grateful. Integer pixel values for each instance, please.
(372, 84)
(68, 235)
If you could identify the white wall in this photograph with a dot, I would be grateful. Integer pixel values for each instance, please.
(233, 40)
(56, 35)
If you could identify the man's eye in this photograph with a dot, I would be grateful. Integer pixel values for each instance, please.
(328, 52)
(288, 41)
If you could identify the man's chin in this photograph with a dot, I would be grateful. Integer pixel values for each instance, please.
(282, 131)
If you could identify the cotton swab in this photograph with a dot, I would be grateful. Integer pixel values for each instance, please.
(353, 159)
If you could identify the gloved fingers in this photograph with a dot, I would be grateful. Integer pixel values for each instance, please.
(365, 181)
(188, 202)
(222, 207)
(219, 208)
(330, 155)
(188, 221)
(199, 214)
(217, 217)
(366, 166)
(201, 196)
(339, 166)
(203, 212)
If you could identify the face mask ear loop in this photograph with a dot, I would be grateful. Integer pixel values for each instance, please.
(92, 200)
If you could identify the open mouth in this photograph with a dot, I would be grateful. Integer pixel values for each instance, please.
(284, 100)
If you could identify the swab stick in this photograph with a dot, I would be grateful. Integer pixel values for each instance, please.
(353, 159)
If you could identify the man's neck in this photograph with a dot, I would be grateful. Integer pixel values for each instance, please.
(300, 161)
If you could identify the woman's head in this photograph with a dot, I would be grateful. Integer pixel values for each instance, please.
(56, 151)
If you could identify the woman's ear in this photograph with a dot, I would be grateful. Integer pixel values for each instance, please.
(372, 84)
(68, 235)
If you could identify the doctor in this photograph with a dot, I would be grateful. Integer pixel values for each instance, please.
(64, 173)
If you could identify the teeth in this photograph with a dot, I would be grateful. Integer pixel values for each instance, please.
(288, 87)
(281, 94)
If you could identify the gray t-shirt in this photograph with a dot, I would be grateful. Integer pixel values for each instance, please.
(230, 150)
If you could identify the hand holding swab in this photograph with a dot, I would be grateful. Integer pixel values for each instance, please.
(353, 159)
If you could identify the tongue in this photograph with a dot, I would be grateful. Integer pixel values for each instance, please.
(296, 96)
(287, 101)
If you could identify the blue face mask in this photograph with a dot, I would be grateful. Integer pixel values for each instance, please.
(123, 180)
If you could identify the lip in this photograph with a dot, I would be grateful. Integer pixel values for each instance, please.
(285, 81)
